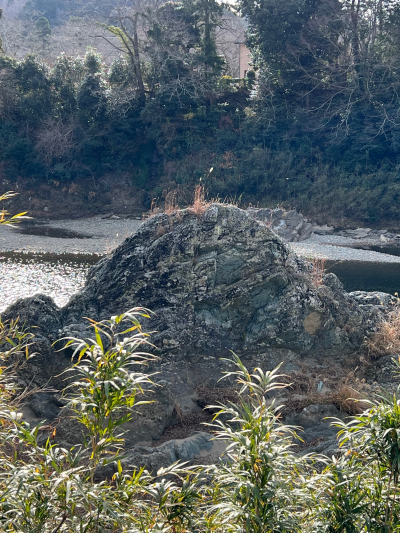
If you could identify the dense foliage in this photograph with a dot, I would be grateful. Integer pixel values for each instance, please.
(261, 486)
(328, 92)
(160, 101)
(318, 129)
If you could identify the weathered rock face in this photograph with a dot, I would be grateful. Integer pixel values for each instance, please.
(219, 282)
(216, 281)
(170, 452)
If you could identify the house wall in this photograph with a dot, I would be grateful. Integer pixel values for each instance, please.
(244, 59)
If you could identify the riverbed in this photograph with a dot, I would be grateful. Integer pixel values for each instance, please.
(375, 268)
(94, 235)
(53, 258)
(337, 248)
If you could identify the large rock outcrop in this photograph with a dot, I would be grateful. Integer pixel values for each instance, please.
(217, 281)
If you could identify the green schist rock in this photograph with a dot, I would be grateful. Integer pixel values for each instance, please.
(221, 281)
(216, 281)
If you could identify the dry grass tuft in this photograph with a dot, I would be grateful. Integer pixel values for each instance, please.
(341, 388)
(199, 204)
(386, 340)
(301, 382)
(171, 202)
(196, 204)
(317, 271)
(215, 395)
(349, 400)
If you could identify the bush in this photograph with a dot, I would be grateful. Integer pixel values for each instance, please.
(261, 485)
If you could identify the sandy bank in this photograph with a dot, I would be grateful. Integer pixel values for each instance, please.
(338, 248)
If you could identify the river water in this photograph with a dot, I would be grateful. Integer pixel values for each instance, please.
(367, 276)
(62, 275)
(56, 275)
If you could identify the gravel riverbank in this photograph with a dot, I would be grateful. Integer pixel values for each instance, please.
(100, 236)
(336, 248)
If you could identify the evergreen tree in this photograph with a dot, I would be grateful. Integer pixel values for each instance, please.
(43, 29)
(207, 17)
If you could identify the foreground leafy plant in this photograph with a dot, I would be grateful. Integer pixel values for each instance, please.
(5, 218)
(260, 485)
(47, 488)
(108, 386)
(14, 345)
(372, 440)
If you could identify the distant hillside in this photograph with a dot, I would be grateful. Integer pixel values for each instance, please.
(147, 114)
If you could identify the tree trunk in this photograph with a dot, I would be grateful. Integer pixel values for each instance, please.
(136, 59)
(207, 38)
(355, 9)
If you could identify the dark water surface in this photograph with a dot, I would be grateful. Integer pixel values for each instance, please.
(56, 275)
(391, 250)
(367, 276)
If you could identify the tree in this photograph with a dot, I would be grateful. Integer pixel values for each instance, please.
(324, 60)
(48, 9)
(43, 28)
(66, 76)
(9, 2)
(91, 96)
(175, 75)
(126, 22)
(36, 98)
(1, 41)
(207, 16)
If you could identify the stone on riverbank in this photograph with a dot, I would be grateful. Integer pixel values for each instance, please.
(291, 226)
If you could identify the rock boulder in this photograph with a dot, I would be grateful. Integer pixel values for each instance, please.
(217, 281)
(290, 226)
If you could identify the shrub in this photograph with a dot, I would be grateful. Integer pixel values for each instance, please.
(373, 451)
(47, 488)
(261, 484)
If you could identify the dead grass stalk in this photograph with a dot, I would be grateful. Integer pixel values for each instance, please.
(386, 340)
(349, 400)
(171, 203)
(199, 204)
(317, 271)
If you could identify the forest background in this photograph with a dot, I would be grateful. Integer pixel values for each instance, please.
(154, 105)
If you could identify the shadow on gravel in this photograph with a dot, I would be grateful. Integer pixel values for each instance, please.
(56, 233)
